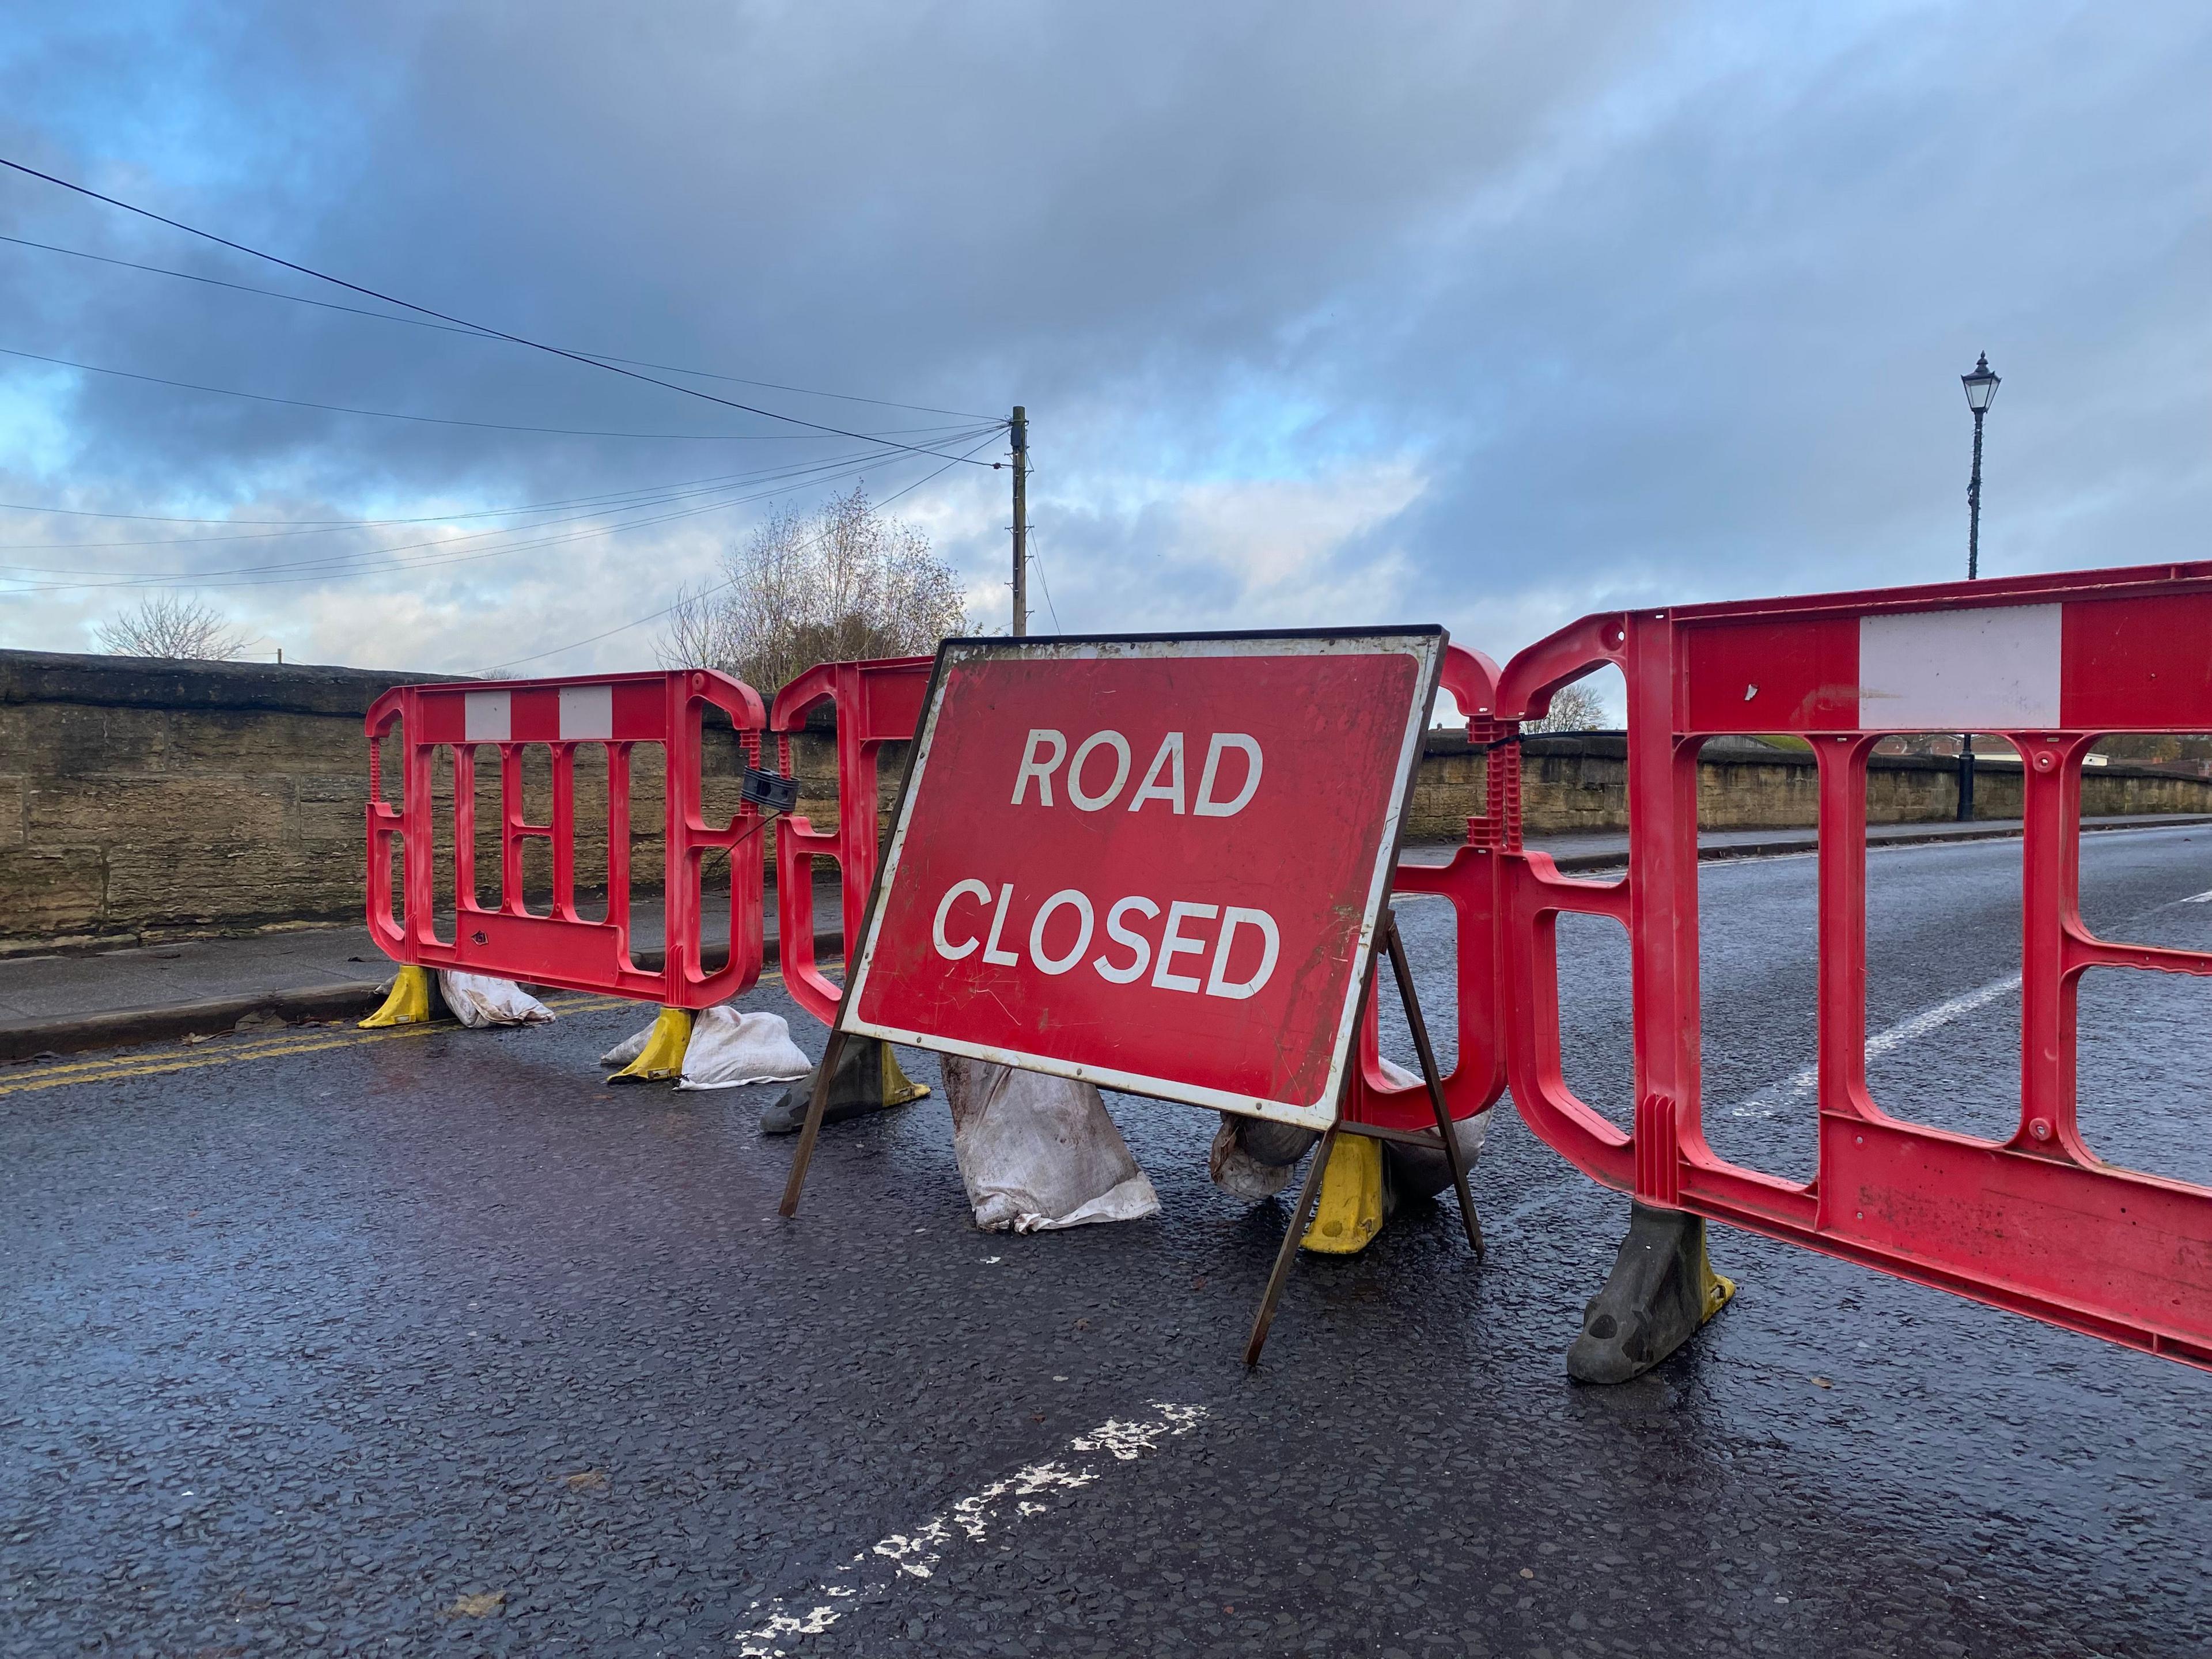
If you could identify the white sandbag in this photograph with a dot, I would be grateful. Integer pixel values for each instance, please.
(1039, 1152)
(628, 1049)
(729, 1049)
(1424, 1171)
(1235, 1163)
(1253, 1158)
(477, 1001)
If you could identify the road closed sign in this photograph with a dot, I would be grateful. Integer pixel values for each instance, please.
(1152, 864)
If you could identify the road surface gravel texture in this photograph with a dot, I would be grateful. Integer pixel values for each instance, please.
(428, 1343)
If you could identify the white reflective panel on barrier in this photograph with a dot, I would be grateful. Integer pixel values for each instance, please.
(1996, 670)
(489, 716)
(587, 711)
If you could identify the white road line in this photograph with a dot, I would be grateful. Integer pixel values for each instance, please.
(916, 1554)
(1801, 1083)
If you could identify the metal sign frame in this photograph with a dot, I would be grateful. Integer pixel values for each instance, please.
(1375, 936)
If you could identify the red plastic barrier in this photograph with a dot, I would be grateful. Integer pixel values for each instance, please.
(559, 946)
(2036, 1222)
(875, 702)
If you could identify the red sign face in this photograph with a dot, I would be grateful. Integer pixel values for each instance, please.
(1153, 865)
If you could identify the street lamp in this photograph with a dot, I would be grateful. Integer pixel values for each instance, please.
(1981, 390)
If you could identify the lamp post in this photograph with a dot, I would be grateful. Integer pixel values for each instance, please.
(1981, 389)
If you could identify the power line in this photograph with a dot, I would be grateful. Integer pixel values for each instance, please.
(443, 420)
(1037, 558)
(380, 561)
(716, 587)
(639, 495)
(443, 317)
(379, 564)
(453, 328)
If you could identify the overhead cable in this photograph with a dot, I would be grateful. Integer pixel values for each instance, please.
(457, 328)
(447, 420)
(335, 567)
(716, 587)
(609, 500)
(444, 316)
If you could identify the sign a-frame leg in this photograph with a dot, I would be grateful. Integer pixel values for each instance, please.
(1402, 971)
(813, 1128)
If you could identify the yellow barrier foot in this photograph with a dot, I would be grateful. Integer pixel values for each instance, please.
(867, 1079)
(661, 1059)
(409, 1001)
(1662, 1287)
(1355, 1198)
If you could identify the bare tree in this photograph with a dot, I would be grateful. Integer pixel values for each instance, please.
(1574, 708)
(840, 583)
(172, 625)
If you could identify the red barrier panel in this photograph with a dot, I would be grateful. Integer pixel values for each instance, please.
(1469, 881)
(2036, 1222)
(876, 703)
(559, 946)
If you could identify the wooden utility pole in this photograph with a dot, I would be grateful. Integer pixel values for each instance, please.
(1020, 427)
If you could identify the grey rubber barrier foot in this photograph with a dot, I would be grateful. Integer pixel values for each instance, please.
(1661, 1288)
(867, 1079)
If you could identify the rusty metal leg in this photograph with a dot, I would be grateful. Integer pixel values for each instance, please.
(831, 1052)
(1289, 1253)
(1403, 970)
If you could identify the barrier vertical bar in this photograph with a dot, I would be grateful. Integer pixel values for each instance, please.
(618, 840)
(465, 827)
(2050, 875)
(564, 831)
(419, 873)
(1841, 1039)
(1662, 815)
(511, 822)
(679, 871)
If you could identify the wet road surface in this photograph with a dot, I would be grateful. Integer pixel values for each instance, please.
(340, 1342)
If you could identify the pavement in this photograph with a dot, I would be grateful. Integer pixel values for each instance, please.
(69, 1002)
(426, 1342)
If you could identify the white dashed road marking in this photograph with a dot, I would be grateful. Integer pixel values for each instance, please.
(916, 1554)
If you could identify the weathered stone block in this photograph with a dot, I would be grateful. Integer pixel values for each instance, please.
(52, 892)
(242, 884)
(123, 809)
(15, 818)
(68, 741)
(331, 808)
(253, 743)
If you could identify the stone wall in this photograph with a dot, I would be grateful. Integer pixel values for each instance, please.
(143, 801)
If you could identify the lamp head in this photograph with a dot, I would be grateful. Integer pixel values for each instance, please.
(1981, 385)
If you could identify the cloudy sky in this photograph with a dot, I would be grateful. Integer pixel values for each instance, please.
(1486, 314)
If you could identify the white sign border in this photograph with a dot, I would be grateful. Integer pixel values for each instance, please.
(1426, 646)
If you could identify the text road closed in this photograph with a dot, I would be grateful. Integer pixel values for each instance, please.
(1148, 867)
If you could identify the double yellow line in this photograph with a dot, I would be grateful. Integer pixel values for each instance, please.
(32, 1078)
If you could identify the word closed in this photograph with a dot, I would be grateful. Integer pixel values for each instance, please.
(1153, 864)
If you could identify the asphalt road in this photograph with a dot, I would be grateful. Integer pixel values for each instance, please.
(322, 1340)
